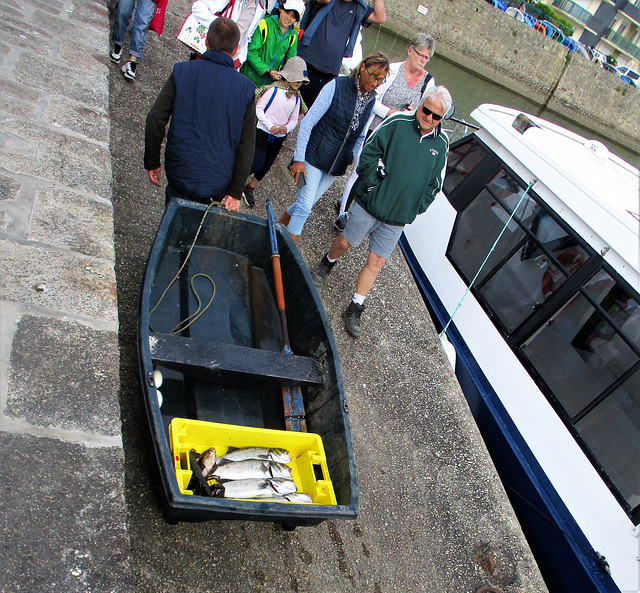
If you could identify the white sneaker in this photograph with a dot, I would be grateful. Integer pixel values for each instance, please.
(116, 55)
(128, 71)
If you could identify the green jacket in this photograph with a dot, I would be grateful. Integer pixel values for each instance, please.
(415, 167)
(268, 50)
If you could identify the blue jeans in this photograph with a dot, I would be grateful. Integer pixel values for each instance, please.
(317, 183)
(145, 10)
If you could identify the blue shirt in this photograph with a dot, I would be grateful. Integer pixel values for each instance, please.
(327, 47)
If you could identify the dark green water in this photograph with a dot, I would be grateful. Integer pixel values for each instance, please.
(469, 91)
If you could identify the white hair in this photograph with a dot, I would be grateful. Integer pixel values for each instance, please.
(440, 93)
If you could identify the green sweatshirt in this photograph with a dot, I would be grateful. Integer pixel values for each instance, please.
(415, 167)
(269, 49)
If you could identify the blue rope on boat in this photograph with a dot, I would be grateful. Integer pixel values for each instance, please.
(493, 247)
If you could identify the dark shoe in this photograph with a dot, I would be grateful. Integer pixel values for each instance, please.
(338, 204)
(129, 70)
(116, 54)
(248, 196)
(351, 316)
(321, 271)
(341, 222)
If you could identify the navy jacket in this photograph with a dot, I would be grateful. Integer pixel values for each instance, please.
(212, 132)
(330, 146)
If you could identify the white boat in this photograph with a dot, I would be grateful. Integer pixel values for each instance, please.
(543, 225)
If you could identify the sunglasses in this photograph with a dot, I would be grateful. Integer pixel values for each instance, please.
(435, 116)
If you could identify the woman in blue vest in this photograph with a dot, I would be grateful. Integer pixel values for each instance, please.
(331, 134)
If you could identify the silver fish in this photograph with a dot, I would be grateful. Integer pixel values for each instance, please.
(277, 455)
(257, 488)
(251, 468)
(293, 497)
(208, 461)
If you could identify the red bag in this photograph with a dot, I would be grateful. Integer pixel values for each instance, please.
(157, 22)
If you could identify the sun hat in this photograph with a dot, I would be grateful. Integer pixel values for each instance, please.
(297, 5)
(295, 70)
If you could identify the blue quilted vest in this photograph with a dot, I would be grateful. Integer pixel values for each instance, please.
(330, 146)
(206, 125)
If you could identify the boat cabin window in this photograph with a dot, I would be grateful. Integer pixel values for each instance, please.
(463, 158)
(570, 320)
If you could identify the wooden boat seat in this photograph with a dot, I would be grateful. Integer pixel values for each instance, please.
(213, 361)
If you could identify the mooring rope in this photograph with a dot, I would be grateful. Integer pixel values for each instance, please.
(194, 316)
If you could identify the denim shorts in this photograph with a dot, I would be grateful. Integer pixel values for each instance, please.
(383, 237)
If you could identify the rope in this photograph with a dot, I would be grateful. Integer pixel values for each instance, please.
(193, 317)
(493, 247)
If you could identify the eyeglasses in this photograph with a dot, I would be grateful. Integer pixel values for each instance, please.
(423, 56)
(435, 116)
(375, 78)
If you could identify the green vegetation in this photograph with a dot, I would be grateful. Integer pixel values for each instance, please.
(541, 11)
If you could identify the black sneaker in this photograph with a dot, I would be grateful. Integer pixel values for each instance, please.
(116, 54)
(351, 316)
(341, 222)
(322, 270)
(248, 196)
(129, 70)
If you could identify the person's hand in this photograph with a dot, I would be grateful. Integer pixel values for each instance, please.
(155, 175)
(275, 75)
(282, 130)
(274, 130)
(232, 204)
(295, 169)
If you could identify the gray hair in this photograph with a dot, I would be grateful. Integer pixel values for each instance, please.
(423, 41)
(439, 93)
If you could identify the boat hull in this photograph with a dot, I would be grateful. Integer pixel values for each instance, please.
(226, 365)
(566, 559)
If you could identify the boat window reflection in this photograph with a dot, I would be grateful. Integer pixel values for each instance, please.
(599, 348)
(572, 323)
(463, 158)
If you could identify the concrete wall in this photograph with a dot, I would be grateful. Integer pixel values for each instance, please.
(481, 38)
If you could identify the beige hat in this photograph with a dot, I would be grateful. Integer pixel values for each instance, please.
(295, 70)
(297, 5)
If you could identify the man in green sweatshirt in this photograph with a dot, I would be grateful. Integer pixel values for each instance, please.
(401, 170)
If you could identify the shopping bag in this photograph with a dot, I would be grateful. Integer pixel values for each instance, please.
(193, 34)
(157, 22)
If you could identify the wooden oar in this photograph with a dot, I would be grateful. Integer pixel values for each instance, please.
(294, 414)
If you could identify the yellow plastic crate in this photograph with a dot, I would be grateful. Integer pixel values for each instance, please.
(305, 448)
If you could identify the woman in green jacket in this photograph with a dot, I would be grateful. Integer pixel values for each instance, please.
(273, 43)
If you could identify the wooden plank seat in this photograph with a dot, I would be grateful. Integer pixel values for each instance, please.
(215, 361)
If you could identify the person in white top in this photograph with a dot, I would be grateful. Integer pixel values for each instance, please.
(278, 111)
(403, 90)
(246, 14)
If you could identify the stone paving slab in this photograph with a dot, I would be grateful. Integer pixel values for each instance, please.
(57, 510)
(62, 510)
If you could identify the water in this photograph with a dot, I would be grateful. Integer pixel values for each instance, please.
(469, 91)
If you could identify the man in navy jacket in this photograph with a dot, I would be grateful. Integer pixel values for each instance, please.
(211, 139)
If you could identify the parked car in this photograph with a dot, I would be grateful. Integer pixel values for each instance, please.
(629, 73)
(553, 32)
(521, 16)
(628, 80)
(584, 50)
(598, 56)
(498, 4)
(609, 68)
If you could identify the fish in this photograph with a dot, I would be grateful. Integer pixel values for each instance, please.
(250, 468)
(208, 462)
(293, 497)
(255, 488)
(277, 455)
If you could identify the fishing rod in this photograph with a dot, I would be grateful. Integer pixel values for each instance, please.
(294, 414)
